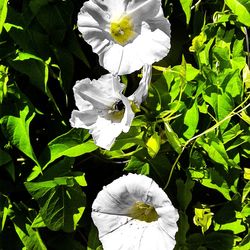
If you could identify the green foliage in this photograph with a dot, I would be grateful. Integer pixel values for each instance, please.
(191, 134)
(61, 202)
(241, 9)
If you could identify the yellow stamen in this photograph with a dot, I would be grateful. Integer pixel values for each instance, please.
(122, 30)
(143, 212)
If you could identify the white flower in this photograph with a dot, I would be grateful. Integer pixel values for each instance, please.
(103, 109)
(133, 212)
(126, 34)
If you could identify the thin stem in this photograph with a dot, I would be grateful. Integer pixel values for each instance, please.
(195, 5)
(233, 113)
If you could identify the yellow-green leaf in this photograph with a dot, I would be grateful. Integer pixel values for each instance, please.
(241, 9)
(153, 145)
(3, 13)
(203, 218)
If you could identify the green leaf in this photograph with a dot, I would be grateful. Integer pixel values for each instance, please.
(4, 158)
(29, 236)
(3, 13)
(39, 73)
(186, 6)
(35, 5)
(72, 144)
(246, 191)
(216, 150)
(232, 133)
(5, 210)
(215, 181)
(38, 222)
(223, 239)
(184, 194)
(222, 104)
(53, 22)
(17, 131)
(7, 163)
(183, 227)
(61, 202)
(172, 138)
(235, 226)
(93, 239)
(191, 120)
(203, 218)
(3, 82)
(128, 140)
(241, 9)
(135, 165)
(153, 144)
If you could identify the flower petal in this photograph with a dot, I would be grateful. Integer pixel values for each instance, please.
(152, 46)
(126, 237)
(121, 194)
(106, 131)
(141, 92)
(96, 12)
(147, 48)
(83, 119)
(101, 93)
(111, 58)
(94, 26)
(141, 10)
(161, 239)
(117, 230)
(113, 7)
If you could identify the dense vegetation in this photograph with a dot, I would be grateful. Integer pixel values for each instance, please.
(192, 134)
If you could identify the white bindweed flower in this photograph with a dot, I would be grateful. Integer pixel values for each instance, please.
(126, 34)
(133, 212)
(103, 109)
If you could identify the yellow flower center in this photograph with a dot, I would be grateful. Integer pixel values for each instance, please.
(143, 212)
(122, 30)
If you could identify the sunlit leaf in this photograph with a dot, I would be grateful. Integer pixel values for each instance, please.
(73, 143)
(186, 6)
(241, 9)
(17, 131)
(191, 120)
(29, 236)
(5, 210)
(153, 145)
(3, 13)
(246, 191)
(215, 181)
(172, 138)
(128, 140)
(216, 150)
(203, 218)
(135, 165)
(38, 222)
(222, 104)
(3, 82)
(61, 202)
(247, 173)
(236, 226)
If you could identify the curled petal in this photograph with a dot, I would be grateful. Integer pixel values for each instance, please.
(141, 92)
